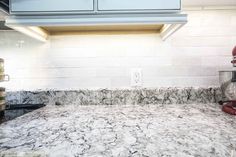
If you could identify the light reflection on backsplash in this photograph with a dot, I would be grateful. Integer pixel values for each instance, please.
(191, 58)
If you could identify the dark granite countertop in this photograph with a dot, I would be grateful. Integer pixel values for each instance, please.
(12, 114)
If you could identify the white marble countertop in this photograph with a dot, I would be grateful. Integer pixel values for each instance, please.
(199, 130)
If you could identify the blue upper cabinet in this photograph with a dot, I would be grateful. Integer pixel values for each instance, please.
(139, 5)
(50, 6)
(88, 14)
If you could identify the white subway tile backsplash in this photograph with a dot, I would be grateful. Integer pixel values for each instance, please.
(13, 84)
(179, 71)
(194, 19)
(201, 41)
(216, 18)
(208, 31)
(192, 57)
(186, 60)
(65, 83)
(233, 41)
(53, 73)
(204, 51)
(233, 20)
(120, 82)
(111, 72)
(215, 61)
(196, 81)
(181, 81)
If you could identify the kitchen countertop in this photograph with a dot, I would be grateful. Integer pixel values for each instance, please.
(198, 130)
(12, 114)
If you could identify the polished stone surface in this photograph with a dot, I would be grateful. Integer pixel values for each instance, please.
(183, 130)
(118, 96)
(12, 114)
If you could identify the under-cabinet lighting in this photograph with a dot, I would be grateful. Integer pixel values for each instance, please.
(34, 32)
(169, 29)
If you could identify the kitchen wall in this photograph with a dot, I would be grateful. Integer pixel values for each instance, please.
(192, 57)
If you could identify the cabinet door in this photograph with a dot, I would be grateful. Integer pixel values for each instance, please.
(51, 5)
(111, 5)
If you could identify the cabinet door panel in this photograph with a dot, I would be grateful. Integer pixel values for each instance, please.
(139, 4)
(51, 5)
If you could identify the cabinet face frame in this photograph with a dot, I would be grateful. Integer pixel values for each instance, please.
(94, 11)
(66, 12)
(172, 17)
(139, 10)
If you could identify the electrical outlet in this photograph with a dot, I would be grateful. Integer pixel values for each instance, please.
(136, 77)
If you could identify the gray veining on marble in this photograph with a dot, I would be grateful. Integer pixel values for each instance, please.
(118, 96)
(183, 130)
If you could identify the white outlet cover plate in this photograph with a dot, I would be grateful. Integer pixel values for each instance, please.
(136, 77)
